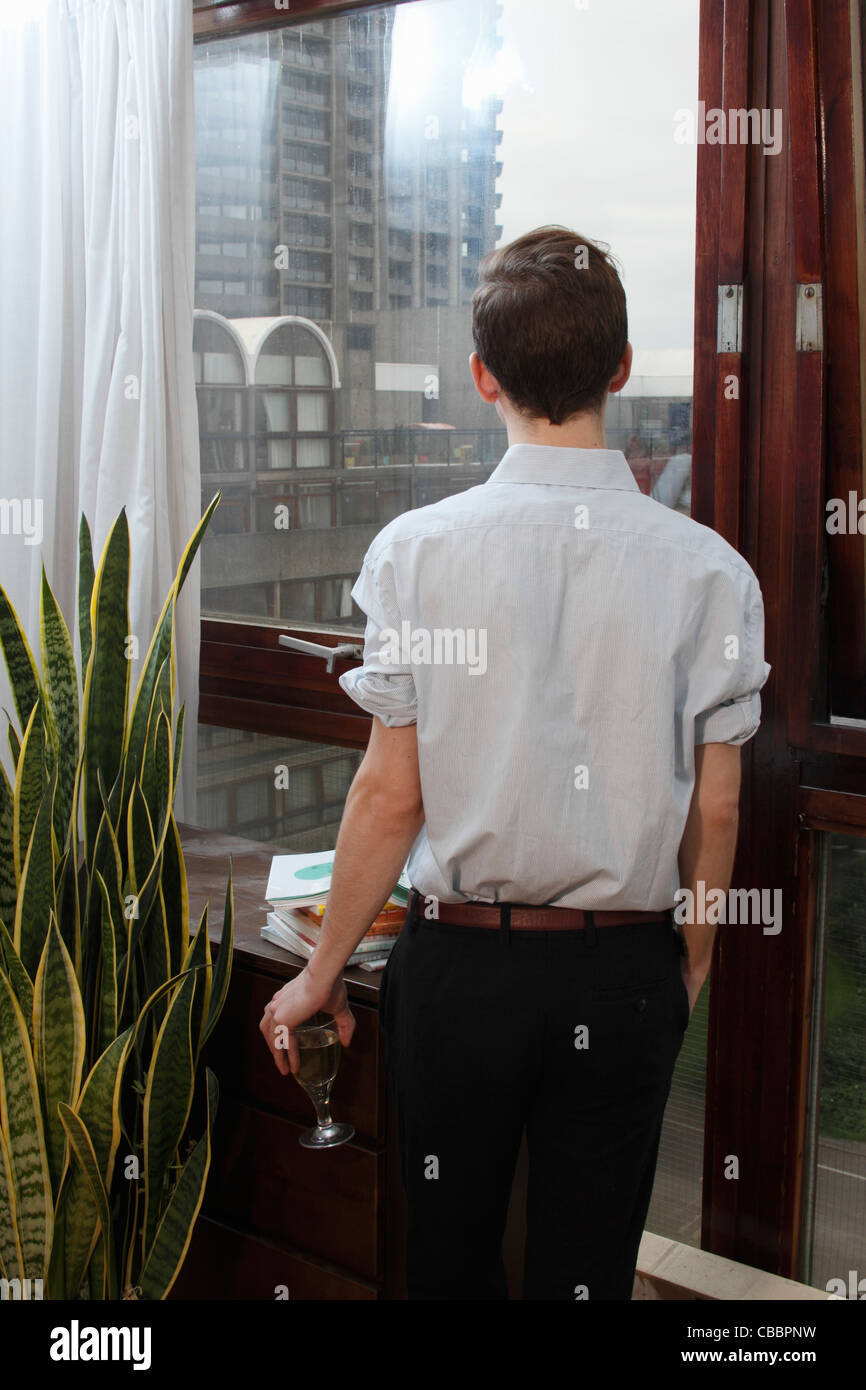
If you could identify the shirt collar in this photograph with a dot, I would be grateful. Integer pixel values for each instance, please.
(555, 466)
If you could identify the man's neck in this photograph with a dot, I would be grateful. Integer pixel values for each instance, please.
(583, 432)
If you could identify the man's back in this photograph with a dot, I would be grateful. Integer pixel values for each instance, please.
(563, 642)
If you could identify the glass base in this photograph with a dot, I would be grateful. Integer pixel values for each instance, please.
(326, 1136)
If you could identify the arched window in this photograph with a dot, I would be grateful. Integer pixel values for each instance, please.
(220, 377)
(294, 382)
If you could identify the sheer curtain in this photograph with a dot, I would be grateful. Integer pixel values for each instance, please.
(97, 243)
(96, 288)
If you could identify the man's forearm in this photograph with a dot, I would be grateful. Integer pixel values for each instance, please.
(706, 857)
(371, 850)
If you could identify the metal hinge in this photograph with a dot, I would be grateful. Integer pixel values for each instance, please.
(729, 337)
(810, 318)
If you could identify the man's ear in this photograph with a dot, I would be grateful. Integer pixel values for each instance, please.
(623, 371)
(485, 383)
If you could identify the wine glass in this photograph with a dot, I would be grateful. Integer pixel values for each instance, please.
(318, 1059)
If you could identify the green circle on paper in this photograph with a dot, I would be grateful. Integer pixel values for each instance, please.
(314, 870)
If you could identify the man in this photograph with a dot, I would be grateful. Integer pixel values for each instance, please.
(562, 672)
(673, 486)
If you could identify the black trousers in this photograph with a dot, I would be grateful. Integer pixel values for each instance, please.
(571, 1036)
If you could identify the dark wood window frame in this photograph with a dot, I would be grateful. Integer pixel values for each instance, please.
(760, 471)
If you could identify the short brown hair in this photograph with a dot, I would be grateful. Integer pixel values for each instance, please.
(550, 324)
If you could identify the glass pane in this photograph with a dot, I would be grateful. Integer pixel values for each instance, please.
(312, 411)
(411, 144)
(675, 1208)
(275, 413)
(838, 1215)
(313, 453)
(843, 608)
(279, 453)
(275, 789)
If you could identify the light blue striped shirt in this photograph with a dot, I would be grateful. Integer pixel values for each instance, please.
(562, 642)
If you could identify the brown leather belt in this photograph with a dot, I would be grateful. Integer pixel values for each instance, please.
(525, 917)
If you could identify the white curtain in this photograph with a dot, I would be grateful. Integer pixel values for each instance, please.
(97, 244)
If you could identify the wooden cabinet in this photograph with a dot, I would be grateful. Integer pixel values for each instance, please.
(279, 1220)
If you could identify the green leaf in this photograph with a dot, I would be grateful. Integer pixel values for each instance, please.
(61, 701)
(99, 1109)
(175, 892)
(106, 861)
(66, 897)
(178, 749)
(222, 969)
(198, 957)
(21, 1123)
(167, 1100)
(108, 981)
(59, 1040)
(141, 850)
(36, 901)
(174, 1233)
(154, 949)
(11, 1257)
(106, 685)
(80, 1143)
(156, 773)
(85, 589)
(8, 881)
(160, 648)
(18, 977)
(14, 741)
(23, 676)
(29, 785)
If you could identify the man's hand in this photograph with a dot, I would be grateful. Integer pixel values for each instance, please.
(693, 981)
(291, 1006)
(381, 820)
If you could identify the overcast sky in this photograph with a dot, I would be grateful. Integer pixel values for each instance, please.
(590, 90)
(588, 120)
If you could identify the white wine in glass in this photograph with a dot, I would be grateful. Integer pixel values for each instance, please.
(318, 1059)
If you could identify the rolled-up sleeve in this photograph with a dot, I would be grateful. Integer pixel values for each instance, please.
(382, 685)
(731, 666)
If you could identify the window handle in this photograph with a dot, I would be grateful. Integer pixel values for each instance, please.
(348, 651)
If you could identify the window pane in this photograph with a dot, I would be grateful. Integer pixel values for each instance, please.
(381, 160)
(275, 415)
(282, 790)
(386, 153)
(312, 412)
(837, 1214)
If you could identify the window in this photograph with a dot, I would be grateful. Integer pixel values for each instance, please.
(330, 427)
(292, 363)
(301, 808)
(359, 337)
(394, 243)
(836, 1215)
(219, 371)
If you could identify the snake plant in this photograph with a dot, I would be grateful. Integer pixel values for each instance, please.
(106, 1114)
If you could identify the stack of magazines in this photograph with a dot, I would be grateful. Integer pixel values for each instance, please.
(297, 891)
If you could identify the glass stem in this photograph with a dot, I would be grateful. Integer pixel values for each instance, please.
(321, 1098)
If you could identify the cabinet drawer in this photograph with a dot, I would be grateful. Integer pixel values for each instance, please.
(226, 1264)
(238, 1054)
(323, 1201)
